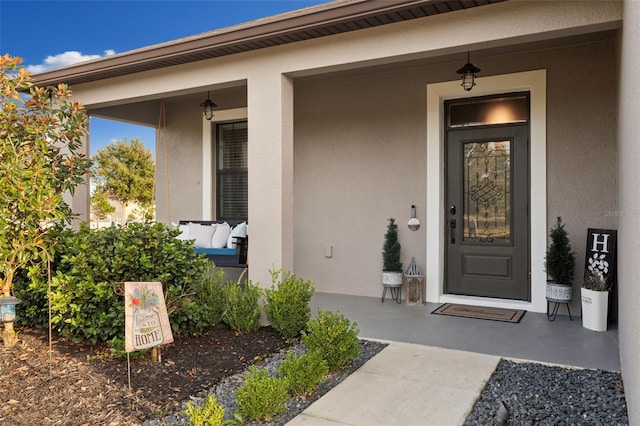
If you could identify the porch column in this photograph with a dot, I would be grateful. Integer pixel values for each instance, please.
(80, 200)
(270, 161)
(629, 208)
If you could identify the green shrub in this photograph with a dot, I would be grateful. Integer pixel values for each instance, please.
(210, 293)
(287, 307)
(303, 373)
(210, 414)
(205, 304)
(333, 335)
(86, 267)
(241, 309)
(261, 397)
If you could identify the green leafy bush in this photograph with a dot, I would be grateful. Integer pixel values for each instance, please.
(303, 373)
(210, 414)
(241, 308)
(287, 306)
(87, 266)
(204, 304)
(334, 336)
(261, 397)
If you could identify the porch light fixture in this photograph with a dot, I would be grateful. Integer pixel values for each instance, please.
(468, 75)
(413, 224)
(207, 108)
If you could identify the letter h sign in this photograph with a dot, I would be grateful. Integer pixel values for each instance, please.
(600, 255)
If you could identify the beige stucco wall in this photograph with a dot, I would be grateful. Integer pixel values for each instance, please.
(581, 145)
(360, 158)
(629, 207)
(180, 151)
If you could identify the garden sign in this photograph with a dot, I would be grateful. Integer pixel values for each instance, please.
(146, 321)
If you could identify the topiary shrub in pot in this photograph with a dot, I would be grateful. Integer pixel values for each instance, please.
(560, 265)
(391, 265)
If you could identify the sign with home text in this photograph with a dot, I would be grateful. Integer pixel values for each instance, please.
(146, 321)
(600, 257)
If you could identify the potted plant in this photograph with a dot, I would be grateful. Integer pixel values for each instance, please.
(595, 300)
(391, 265)
(560, 265)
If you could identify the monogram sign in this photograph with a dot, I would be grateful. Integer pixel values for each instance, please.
(600, 255)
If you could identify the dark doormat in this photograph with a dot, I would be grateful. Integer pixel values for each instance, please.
(480, 312)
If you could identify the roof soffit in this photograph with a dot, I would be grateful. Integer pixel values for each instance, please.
(320, 21)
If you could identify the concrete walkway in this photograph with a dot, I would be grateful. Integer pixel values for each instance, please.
(405, 384)
(435, 366)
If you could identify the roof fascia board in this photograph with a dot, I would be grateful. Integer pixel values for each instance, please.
(331, 13)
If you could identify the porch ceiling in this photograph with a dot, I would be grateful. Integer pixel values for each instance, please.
(327, 19)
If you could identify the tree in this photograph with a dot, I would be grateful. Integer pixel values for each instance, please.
(101, 208)
(127, 173)
(391, 249)
(40, 160)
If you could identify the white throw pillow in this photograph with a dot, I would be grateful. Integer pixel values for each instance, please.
(202, 234)
(184, 231)
(239, 231)
(221, 235)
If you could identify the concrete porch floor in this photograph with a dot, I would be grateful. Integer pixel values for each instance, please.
(534, 338)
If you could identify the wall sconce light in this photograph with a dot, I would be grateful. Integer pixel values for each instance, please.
(207, 108)
(413, 224)
(468, 75)
(8, 308)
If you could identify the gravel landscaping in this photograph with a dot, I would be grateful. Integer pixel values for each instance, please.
(537, 394)
(224, 391)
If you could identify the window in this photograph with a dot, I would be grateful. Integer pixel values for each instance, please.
(232, 195)
(482, 111)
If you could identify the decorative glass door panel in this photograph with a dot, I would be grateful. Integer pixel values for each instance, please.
(487, 221)
(486, 201)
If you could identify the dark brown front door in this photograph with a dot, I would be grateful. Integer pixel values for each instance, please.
(487, 245)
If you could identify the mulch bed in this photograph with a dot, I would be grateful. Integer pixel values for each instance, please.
(81, 384)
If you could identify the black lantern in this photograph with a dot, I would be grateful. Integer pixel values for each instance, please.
(8, 308)
(207, 108)
(468, 75)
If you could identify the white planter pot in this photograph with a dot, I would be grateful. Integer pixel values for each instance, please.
(559, 293)
(391, 279)
(594, 309)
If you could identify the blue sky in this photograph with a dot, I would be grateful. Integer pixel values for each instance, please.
(51, 33)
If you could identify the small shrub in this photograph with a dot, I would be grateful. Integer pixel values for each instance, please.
(241, 309)
(206, 304)
(210, 414)
(287, 307)
(334, 336)
(261, 396)
(303, 373)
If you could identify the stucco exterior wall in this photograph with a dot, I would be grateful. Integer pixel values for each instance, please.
(629, 207)
(182, 156)
(360, 158)
(581, 145)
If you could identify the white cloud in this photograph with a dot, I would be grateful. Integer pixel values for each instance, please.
(65, 59)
